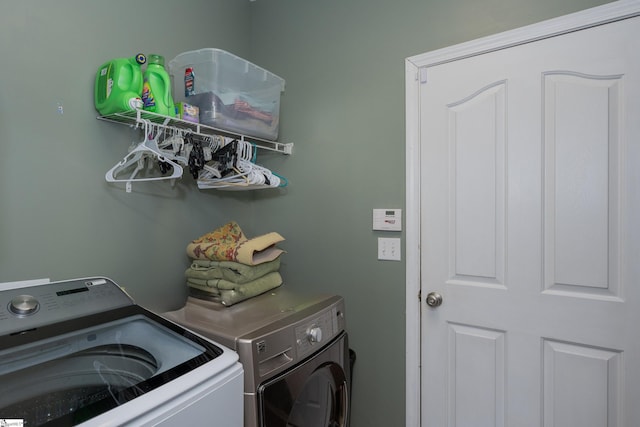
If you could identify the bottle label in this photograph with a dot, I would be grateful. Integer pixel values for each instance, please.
(109, 87)
(135, 103)
(189, 81)
(147, 96)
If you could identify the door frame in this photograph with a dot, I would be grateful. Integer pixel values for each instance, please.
(416, 73)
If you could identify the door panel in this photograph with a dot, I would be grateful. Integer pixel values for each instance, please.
(478, 363)
(477, 138)
(529, 203)
(595, 372)
(582, 179)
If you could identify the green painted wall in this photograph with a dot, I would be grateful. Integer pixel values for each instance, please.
(343, 61)
(58, 216)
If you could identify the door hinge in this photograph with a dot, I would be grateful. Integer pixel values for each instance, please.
(423, 75)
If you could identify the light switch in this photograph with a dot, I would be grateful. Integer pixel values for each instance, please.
(389, 249)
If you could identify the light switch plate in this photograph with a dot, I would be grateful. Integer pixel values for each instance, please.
(389, 249)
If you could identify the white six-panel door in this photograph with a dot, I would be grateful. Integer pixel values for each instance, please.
(530, 231)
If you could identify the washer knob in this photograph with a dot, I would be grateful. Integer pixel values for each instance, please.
(314, 334)
(24, 305)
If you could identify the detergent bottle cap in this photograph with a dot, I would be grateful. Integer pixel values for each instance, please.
(155, 59)
(140, 58)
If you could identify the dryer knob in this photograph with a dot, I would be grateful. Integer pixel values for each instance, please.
(24, 305)
(314, 334)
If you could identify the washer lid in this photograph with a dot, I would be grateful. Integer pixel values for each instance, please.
(69, 372)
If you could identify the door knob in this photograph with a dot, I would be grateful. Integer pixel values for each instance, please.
(434, 299)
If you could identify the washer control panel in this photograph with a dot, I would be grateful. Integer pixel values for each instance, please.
(33, 306)
(24, 305)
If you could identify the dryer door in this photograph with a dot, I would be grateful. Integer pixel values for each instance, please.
(315, 393)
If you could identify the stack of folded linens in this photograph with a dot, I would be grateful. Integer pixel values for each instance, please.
(228, 267)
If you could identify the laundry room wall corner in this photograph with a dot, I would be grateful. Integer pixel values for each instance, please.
(344, 109)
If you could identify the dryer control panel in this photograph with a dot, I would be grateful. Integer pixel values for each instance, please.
(284, 343)
(29, 307)
(317, 331)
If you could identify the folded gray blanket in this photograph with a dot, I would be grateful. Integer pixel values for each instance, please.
(229, 293)
(230, 270)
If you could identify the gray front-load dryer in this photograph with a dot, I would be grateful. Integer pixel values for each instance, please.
(294, 350)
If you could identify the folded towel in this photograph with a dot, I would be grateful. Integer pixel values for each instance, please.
(229, 270)
(229, 293)
(259, 249)
(228, 243)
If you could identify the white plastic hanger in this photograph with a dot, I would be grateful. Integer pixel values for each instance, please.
(249, 175)
(148, 148)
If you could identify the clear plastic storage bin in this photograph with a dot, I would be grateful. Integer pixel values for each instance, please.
(231, 93)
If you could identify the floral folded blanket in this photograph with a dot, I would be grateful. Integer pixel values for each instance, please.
(229, 243)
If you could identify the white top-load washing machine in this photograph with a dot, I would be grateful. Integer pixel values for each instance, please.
(81, 352)
(295, 353)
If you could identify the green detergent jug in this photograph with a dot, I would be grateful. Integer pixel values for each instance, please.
(118, 85)
(156, 90)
